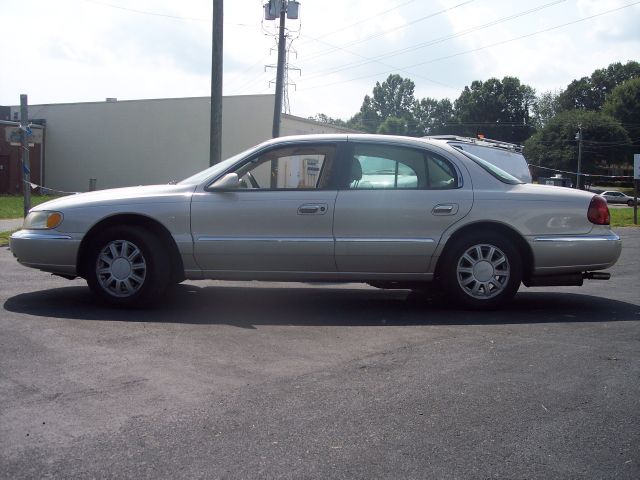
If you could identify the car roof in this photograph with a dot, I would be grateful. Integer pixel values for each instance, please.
(362, 137)
(480, 142)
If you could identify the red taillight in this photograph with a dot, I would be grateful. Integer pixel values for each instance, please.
(598, 212)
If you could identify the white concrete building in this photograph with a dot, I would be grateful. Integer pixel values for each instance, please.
(134, 142)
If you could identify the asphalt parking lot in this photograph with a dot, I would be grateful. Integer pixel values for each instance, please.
(255, 380)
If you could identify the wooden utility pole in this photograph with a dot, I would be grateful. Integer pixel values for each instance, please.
(277, 109)
(215, 135)
(24, 152)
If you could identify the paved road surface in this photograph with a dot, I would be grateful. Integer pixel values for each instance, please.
(232, 380)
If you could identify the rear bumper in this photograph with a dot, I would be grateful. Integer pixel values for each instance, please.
(556, 254)
(49, 251)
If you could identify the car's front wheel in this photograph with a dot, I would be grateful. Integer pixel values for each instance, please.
(125, 266)
(481, 271)
(630, 203)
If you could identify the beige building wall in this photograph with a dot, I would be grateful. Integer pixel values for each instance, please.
(137, 142)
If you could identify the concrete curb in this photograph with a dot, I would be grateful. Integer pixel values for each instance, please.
(10, 224)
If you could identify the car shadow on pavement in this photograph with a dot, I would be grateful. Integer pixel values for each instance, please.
(247, 307)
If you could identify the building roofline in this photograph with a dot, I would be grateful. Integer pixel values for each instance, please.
(100, 102)
(315, 122)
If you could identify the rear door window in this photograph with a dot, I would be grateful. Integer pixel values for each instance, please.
(389, 167)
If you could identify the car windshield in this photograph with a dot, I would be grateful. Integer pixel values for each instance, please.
(492, 169)
(215, 169)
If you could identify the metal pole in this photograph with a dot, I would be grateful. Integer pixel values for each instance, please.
(215, 135)
(635, 203)
(24, 147)
(277, 109)
(636, 182)
(579, 179)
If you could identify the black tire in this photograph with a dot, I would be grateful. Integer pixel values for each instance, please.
(481, 271)
(630, 203)
(127, 266)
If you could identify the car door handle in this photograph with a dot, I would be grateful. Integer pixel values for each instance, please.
(445, 209)
(312, 209)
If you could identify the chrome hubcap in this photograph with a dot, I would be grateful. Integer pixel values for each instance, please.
(121, 268)
(483, 271)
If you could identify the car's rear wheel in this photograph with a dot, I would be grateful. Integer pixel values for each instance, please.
(125, 266)
(481, 271)
(630, 203)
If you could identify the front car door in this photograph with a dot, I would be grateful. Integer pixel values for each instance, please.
(394, 208)
(278, 220)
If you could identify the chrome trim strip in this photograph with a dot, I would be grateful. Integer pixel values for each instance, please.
(390, 240)
(312, 239)
(264, 239)
(582, 238)
(39, 236)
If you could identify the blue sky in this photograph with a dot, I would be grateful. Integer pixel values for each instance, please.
(87, 50)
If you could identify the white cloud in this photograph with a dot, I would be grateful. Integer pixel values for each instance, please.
(80, 50)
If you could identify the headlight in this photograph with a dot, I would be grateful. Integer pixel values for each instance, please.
(42, 220)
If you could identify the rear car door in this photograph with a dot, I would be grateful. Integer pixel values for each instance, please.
(395, 206)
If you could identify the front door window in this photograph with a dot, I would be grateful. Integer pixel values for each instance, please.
(289, 168)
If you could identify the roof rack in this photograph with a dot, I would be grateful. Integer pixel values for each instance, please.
(487, 142)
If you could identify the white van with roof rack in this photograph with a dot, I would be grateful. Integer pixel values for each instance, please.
(506, 156)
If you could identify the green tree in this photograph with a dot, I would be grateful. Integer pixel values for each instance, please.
(393, 126)
(623, 104)
(500, 109)
(579, 94)
(545, 108)
(391, 98)
(322, 118)
(590, 93)
(431, 117)
(605, 143)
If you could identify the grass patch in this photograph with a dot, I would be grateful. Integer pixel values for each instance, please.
(4, 238)
(622, 217)
(12, 206)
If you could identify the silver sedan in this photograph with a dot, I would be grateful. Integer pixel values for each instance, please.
(394, 212)
(613, 196)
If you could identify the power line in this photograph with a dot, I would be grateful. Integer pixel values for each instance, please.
(145, 12)
(247, 83)
(525, 36)
(385, 32)
(377, 15)
(435, 40)
(386, 65)
(581, 174)
(479, 48)
(158, 14)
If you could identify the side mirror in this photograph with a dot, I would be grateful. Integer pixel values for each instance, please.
(230, 181)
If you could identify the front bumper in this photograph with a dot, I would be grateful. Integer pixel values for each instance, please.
(557, 254)
(50, 251)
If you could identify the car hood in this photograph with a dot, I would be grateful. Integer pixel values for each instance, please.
(118, 196)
